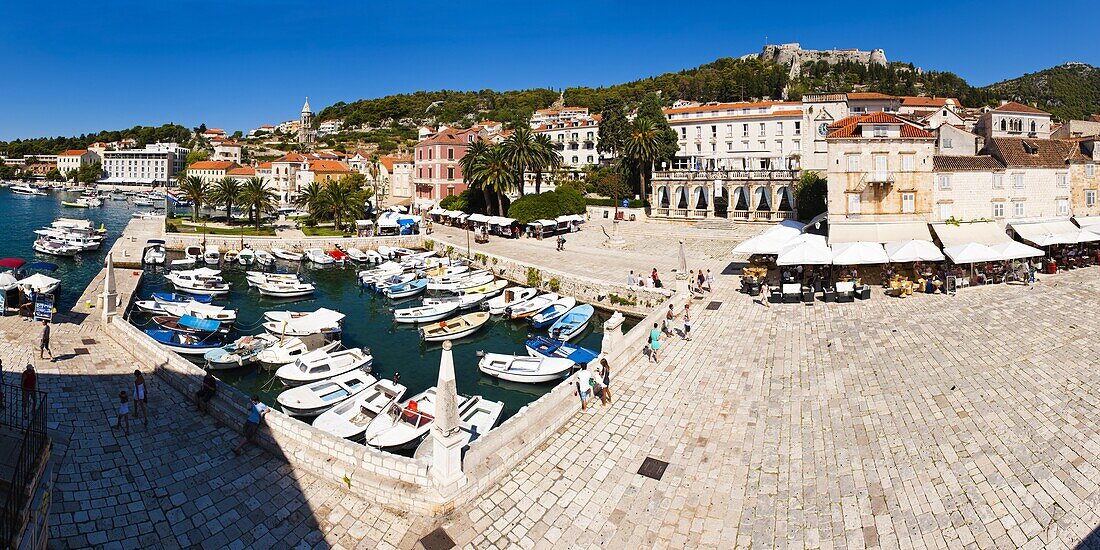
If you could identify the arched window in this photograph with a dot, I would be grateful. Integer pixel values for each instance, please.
(662, 196)
(1004, 125)
(763, 201)
(1033, 126)
(740, 198)
(701, 198)
(681, 197)
(785, 199)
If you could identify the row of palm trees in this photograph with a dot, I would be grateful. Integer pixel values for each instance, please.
(252, 194)
(340, 200)
(499, 169)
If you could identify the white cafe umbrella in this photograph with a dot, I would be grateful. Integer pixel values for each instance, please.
(971, 253)
(913, 251)
(859, 253)
(806, 249)
(1013, 250)
(39, 282)
(7, 281)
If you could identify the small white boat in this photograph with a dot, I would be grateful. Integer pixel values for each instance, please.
(530, 307)
(464, 302)
(511, 297)
(230, 256)
(426, 313)
(290, 349)
(476, 418)
(462, 281)
(242, 352)
(321, 365)
(406, 289)
(442, 271)
(486, 291)
(322, 321)
(403, 426)
(283, 289)
(553, 312)
(246, 257)
(387, 252)
(155, 254)
(371, 277)
(257, 278)
(287, 255)
(318, 256)
(572, 323)
(350, 418)
(381, 285)
(198, 281)
(264, 258)
(356, 255)
(373, 257)
(317, 397)
(212, 256)
(522, 368)
(202, 311)
(24, 189)
(453, 329)
(191, 255)
(55, 248)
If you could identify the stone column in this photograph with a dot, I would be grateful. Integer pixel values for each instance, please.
(110, 295)
(612, 335)
(447, 436)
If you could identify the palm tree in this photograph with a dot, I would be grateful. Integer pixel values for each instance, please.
(469, 163)
(547, 159)
(195, 189)
(225, 191)
(310, 197)
(641, 149)
(521, 152)
(495, 173)
(257, 198)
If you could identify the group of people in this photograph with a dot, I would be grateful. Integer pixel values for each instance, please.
(594, 384)
(256, 410)
(141, 401)
(652, 280)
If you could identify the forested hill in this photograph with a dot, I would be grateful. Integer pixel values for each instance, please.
(51, 146)
(1070, 91)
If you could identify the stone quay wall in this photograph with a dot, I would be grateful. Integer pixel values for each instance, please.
(179, 241)
(635, 301)
(388, 479)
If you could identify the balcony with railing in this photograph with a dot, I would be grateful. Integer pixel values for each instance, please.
(727, 175)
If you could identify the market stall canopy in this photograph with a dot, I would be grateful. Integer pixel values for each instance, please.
(38, 281)
(12, 263)
(970, 253)
(913, 251)
(570, 218)
(7, 281)
(398, 208)
(878, 232)
(805, 249)
(455, 213)
(1088, 222)
(387, 221)
(364, 223)
(501, 221)
(1046, 233)
(479, 218)
(1013, 250)
(859, 253)
(953, 235)
(437, 211)
(544, 223)
(771, 241)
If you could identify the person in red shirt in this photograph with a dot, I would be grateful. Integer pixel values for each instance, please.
(30, 387)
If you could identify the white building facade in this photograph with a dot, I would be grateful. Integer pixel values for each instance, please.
(156, 164)
(763, 135)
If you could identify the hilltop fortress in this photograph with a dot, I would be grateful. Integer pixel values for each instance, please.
(792, 54)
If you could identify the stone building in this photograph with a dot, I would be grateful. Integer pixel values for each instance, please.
(306, 133)
(1011, 119)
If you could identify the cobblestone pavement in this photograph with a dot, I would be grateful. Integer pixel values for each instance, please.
(943, 422)
(947, 422)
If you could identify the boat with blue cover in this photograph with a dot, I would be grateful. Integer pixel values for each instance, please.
(177, 298)
(190, 324)
(186, 344)
(548, 347)
(553, 312)
(406, 289)
(572, 323)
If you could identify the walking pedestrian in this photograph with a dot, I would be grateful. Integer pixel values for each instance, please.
(700, 281)
(584, 387)
(44, 344)
(656, 278)
(206, 392)
(687, 323)
(710, 281)
(605, 373)
(140, 398)
(764, 293)
(123, 412)
(669, 316)
(654, 343)
(256, 413)
(29, 383)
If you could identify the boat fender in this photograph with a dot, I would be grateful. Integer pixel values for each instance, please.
(480, 353)
(442, 324)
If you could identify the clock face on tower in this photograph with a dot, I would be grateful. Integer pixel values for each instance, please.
(823, 129)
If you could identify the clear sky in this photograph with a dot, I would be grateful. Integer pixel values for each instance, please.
(76, 67)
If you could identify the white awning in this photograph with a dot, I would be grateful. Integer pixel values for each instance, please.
(38, 282)
(317, 321)
(878, 232)
(544, 223)
(455, 214)
(386, 221)
(954, 235)
(971, 253)
(771, 241)
(501, 221)
(1088, 222)
(1046, 233)
(859, 253)
(364, 223)
(1013, 250)
(805, 249)
(437, 211)
(570, 218)
(479, 218)
(913, 251)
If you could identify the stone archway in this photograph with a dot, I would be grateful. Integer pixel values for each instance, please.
(699, 198)
(784, 199)
(662, 197)
(681, 197)
(763, 199)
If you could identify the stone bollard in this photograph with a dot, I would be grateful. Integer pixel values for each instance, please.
(612, 335)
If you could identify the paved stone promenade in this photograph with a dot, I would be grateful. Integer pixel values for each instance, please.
(945, 422)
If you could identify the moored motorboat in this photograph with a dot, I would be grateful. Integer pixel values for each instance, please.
(403, 426)
(547, 347)
(350, 418)
(199, 281)
(553, 312)
(397, 279)
(247, 256)
(425, 313)
(285, 289)
(212, 256)
(230, 256)
(317, 397)
(453, 329)
(155, 253)
(406, 289)
(509, 298)
(257, 278)
(202, 311)
(287, 255)
(190, 324)
(172, 297)
(264, 258)
(485, 291)
(356, 255)
(572, 323)
(186, 344)
(338, 257)
(55, 248)
(287, 350)
(322, 321)
(318, 256)
(320, 365)
(242, 352)
(526, 369)
(532, 306)
(475, 419)
(462, 281)
(469, 301)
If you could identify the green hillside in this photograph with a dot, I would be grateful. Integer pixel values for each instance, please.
(1070, 91)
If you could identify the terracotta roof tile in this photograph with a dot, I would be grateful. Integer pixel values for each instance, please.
(847, 127)
(242, 171)
(1013, 107)
(212, 165)
(327, 166)
(869, 95)
(925, 101)
(728, 106)
(1036, 153)
(72, 153)
(979, 163)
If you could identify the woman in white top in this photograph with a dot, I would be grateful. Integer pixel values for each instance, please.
(140, 397)
(123, 412)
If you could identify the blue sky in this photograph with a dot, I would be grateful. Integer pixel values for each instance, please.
(71, 68)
